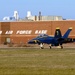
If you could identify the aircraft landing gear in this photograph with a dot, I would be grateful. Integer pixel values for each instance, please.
(50, 46)
(41, 46)
(61, 47)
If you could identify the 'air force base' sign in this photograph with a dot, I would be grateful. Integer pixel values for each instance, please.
(23, 32)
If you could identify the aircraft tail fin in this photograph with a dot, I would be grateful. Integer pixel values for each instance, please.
(57, 33)
(67, 33)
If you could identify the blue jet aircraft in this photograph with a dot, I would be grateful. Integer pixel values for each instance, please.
(57, 40)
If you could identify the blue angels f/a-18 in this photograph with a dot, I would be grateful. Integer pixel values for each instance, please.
(56, 40)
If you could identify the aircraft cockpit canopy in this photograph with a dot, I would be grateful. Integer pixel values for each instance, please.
(42, 35)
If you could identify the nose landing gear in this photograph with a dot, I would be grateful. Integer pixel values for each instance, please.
(41, 46)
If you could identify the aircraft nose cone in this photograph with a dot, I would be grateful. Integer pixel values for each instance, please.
(32, 42)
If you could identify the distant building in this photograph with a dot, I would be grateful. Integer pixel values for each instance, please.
(12, 18)
(42, 18)
(6, 18)
(45, 18)
(16, 15)
(30, 17)
(29, 13)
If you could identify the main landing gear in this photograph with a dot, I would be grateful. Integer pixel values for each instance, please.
(50, 46)
(61, 47)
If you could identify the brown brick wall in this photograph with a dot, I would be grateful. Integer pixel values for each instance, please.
(64, 25)
(30, 26)
(0, 30)
(37, 25)
(5, 26)
(27, 26)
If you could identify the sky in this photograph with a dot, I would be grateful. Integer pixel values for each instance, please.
(64, 8)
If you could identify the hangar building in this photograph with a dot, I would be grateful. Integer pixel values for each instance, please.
(20, 31)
